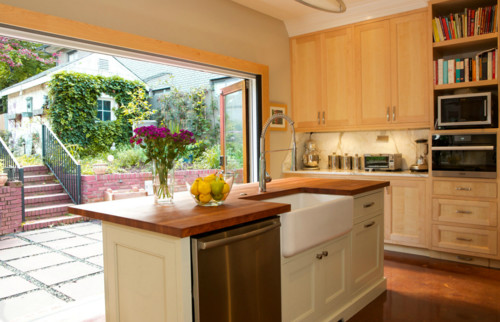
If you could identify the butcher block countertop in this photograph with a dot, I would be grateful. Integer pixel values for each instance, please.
(184, 218)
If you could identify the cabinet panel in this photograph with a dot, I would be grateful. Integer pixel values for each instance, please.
(466, 239)
(465, 212)
(367, 252)
(373, 77)
(465, 188)
(306, 81)
(410, 77)
(334, 268)
(405, 213)
(339, 78)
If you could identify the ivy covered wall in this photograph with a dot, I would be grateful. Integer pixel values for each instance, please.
(73, 110)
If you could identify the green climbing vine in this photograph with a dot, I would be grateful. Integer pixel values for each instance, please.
(73, 110)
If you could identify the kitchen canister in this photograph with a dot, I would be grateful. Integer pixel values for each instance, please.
(334, 161)
(356, 163)
(346, 162)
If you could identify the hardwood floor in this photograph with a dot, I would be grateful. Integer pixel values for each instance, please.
(426, 289)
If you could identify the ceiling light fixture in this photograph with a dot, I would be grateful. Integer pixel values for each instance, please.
(336, 6)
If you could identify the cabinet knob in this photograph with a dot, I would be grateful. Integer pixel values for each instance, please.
(463, 188)
(319, 121)
(368, 205)
(388, 111)
(394, 113)
(464, 239)
(466, 212)
(323, 117)
(319, 256)
(370, 224)
(325, 253)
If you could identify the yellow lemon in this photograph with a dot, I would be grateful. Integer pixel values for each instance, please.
(194, 187)
(204, 187)
(225, 189)
(204, 198)
(209, 178)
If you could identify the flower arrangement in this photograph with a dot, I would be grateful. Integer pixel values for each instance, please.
(162, 147)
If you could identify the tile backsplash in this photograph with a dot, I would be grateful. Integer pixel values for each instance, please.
(400, 141)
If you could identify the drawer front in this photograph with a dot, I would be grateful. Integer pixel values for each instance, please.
(465, 188)
(369, 204)
(465, 212)
(479, 241)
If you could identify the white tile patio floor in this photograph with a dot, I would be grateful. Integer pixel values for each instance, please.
(52, 274)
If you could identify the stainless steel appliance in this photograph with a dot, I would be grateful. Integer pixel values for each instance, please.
(310, 158)
(464, 155)
(383, 162)
(334, 161)
(236, 273)
(476, 110)
(422, 151)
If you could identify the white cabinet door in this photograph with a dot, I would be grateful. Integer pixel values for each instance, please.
(367, 252)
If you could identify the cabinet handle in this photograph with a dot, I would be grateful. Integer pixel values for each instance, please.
(323, 117)
(325, 253)
(394, 113)
(464, 239)
(319, 256)
(319, 122)
(370, 224)
(388, 111)
(463, 188)
(464, 212)
(368, 205)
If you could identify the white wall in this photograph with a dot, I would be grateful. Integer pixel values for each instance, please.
(219, 26)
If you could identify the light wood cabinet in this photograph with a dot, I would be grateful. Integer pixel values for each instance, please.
(366, 76)
(406, 204)
(392, 79)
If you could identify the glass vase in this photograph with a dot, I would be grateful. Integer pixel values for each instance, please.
(163, 183)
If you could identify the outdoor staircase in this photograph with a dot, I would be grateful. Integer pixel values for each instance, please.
(46, 202)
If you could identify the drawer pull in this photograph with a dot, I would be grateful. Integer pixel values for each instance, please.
(370, 224)
(464, 212)
(465, 258)
(463, 188)
(368, 205)
(464, 239)
(325, 253)
(319, 256)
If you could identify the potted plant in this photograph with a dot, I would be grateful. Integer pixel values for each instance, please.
(3, 176)
(99, 167)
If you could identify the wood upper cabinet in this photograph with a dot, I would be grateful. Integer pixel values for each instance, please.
(306, 81)
(373, 77)
(411, 82)
(338, 78)
(391, 75)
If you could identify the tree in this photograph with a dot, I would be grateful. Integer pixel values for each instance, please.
(21, 59)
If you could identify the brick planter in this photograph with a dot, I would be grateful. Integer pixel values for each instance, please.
(94, 186)
(11, 211)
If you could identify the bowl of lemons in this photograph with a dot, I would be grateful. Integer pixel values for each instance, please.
(211, 190)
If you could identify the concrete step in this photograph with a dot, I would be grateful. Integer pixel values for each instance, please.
(49, 222)
(32, 170)
(45, 200)
(42, 212)
(39, 179)
(42, 189)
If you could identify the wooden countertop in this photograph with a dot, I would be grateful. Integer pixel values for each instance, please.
(185, 218)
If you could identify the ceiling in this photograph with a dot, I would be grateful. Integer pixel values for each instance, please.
(300, 19)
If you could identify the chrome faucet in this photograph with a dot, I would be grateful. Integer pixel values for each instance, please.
(264, 177)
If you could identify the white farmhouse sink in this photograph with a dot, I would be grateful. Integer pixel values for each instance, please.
(313, 220)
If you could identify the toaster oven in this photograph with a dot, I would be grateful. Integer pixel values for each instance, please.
(383, 162)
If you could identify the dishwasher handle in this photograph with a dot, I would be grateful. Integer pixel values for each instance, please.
(232, 239)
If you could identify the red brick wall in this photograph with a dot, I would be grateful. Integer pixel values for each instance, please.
(93, 186)
(10, 209)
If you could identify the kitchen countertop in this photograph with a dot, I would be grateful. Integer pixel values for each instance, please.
(403, 173)
(184, 218)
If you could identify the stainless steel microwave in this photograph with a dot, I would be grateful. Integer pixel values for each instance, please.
(476, 110)
(383, 162)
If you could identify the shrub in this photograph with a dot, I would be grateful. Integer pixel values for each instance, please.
(209, 159)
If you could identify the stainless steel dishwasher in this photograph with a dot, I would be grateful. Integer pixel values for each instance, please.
(236, 273)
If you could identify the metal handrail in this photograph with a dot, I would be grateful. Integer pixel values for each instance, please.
(62, 164)
(14, 170)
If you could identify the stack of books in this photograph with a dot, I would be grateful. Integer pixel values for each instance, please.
(461, 70)
(471, 22)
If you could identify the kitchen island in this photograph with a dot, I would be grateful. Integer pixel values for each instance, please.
(147, 257)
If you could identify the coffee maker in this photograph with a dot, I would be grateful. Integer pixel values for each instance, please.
(422, 151)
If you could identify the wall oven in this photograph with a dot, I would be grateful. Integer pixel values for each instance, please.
(464, 155)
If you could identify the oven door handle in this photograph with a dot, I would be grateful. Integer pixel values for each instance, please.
(463, 148)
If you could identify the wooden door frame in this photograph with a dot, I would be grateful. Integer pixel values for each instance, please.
(239, 86)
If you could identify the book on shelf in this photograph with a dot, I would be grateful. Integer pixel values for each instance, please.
(482, 66)
(470, 22)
